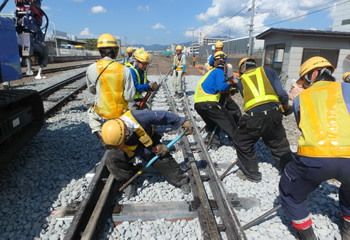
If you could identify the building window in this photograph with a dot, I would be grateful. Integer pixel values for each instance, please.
(274, 57)
(345, 22)
(329, 54)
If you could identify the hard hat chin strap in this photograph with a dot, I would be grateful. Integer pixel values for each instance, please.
(325, 70)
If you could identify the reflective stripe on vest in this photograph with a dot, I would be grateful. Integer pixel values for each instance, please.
(324, 121)
(111, 103)
(201, 96)
(257, 89)
(144, 138)
(178, 63)
(138, 95)
(125, 61)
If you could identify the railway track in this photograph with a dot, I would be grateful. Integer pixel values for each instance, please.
(215, 214)
(58, 69)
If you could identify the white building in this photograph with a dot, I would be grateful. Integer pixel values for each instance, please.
(341, 20)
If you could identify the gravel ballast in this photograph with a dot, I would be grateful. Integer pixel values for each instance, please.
(50, 173)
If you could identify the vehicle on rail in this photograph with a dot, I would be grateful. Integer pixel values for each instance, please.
(21, 111)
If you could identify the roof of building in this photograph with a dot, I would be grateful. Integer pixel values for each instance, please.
(303, 32)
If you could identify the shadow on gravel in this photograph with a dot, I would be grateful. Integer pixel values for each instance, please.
(46, 175)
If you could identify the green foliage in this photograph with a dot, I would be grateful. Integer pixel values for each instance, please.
(91, 44)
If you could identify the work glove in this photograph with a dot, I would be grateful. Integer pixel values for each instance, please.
(295, 90)
(287, 110)
(171, 73)
(154, 86)
(161, 150)
(188, 127)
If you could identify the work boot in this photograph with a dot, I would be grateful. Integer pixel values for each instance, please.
(130, 191)
(305, 234)
(186, 188)
(345, 231)
(244, 177)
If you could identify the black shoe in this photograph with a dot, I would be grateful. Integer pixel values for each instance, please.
(244, 177)
(130, 191)
(305, 234)
(345, 231)
(186, 188)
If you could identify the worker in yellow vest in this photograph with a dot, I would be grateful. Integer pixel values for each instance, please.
(322, 112)
(132, 135)
(110, 82)
(262, 94)
(178, 71)
(139, 76)
(127, 56)
(207, 105)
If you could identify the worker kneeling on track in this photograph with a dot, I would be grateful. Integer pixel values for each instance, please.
(132, 135)
(139, 75)
(207, 96)
(110, 82)
(322, 112)
(262, 94)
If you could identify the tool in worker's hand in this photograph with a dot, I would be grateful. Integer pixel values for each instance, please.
(149, 163)
(228, 169)
(258, 219)
(150, 92)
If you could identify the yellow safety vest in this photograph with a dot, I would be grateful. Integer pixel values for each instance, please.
(138, 95)
(111, 103)
(324, 121)
(201, 96)
(145, 139)
(177, 64)
(257, 89)
(125, 61)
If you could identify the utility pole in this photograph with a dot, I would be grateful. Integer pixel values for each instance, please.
(229, 41)
(192, 42)
(251, 28)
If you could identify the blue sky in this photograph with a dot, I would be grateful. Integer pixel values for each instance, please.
(172, 21)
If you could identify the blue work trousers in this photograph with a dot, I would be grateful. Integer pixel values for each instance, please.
(304, 174)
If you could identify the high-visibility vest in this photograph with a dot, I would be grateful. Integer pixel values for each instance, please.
(201, 96)
(177, 63)
(125, 61)
(257, 89)
(111, 103)
(145, 139)
(324, 122)
(138, 95)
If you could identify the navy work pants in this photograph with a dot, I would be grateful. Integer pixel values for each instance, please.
(304, 174)
(265, 125)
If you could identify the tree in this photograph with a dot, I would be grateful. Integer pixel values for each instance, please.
(91, 44)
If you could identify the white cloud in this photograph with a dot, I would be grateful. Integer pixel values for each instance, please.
(86, 32)
(45, 8)
(273, 10)
(143, 8)
(98, 9)
(158, 26)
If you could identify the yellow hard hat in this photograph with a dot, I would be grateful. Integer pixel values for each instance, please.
(113, 132)
(312, 63)
(345, 76)
(219, 54)
(219, 44)
(106, 40)
(178, 47)
(243, 60)
(129, 50)
(141, 55)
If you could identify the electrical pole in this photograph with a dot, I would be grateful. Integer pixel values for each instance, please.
(251, 28)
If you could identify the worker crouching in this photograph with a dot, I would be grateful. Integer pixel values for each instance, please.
(207, 97)
(132, 135)
(322, 112)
